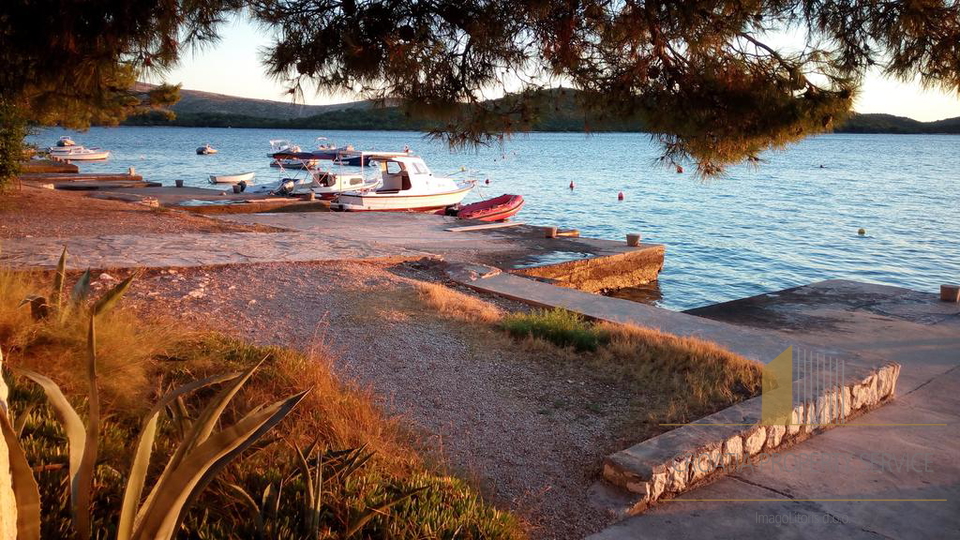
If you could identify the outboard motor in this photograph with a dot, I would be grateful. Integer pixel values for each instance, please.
(287, 185)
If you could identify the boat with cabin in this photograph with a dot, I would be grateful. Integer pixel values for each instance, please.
(407, 185)
(325, 183)
(65, 141)
(206, 150)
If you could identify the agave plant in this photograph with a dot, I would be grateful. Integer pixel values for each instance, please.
(42, 307)
(314, 479)
(202, 453)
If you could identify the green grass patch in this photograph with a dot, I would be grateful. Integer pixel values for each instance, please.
(558, 326)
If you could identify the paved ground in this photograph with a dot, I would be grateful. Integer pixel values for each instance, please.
(905, 452)
(315, 236)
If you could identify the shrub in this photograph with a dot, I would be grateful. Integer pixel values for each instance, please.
(558, 326)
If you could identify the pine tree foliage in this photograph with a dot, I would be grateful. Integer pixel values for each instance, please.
(705, 76)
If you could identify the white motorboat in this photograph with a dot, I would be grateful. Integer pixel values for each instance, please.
(232, 178)
(206, 150)
(79, 153)
(283, 146)
(407, 184)
(325, 183)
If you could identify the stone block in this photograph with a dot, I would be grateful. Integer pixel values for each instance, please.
(775, 435)
(705, 462)
(753, 443)
(796, 418)
(677, 474)
(732, 451)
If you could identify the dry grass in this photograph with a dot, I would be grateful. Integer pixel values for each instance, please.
(670, 379)
(138, 361)
(456, 305)
(699, 377)
(341, 415)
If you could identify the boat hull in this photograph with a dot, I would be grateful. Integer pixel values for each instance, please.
(231, 178)
(496, 209)
(89, 155)
(394, 202)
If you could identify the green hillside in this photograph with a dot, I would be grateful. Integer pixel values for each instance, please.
(558, 110)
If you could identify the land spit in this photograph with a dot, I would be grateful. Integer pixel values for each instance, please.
(487, 408)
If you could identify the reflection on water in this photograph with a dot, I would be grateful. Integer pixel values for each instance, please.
(645, 294)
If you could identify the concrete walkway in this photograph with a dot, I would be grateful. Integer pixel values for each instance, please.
(193, 249)
(905, 453)
(760, 345)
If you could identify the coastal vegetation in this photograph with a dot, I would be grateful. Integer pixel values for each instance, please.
(334, 466)
(201, 109)
(670, 379)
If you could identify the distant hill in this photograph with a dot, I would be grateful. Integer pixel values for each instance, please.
(888, 123)
(559, 112)
(195, 102)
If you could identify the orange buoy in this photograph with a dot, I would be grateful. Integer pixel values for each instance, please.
(571, 184)
(620, 196)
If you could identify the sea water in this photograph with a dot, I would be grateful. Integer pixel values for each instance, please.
(792, 220)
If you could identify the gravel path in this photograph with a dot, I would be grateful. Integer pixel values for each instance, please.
(529, 430)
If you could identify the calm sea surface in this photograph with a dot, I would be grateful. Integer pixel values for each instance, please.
(786, 223)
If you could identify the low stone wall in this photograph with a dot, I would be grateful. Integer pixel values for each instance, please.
(598, 274)
(693, 454)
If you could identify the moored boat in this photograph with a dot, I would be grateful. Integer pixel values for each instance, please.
(495, 209)
(324, 183)
(206, 150)
(79, 153)
(407, 184)
(232, 178)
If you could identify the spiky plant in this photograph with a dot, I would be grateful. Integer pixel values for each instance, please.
(202, 453)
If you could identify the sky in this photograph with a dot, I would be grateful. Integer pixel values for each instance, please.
(232, 66)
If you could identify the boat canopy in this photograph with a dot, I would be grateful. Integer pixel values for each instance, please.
(305, 155)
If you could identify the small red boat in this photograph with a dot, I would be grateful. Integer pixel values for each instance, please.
(495, 209)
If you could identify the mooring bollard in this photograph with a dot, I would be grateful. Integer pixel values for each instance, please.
(550, 232)
(179, 183)
(633, 240)
(237, 188)
(950, 293)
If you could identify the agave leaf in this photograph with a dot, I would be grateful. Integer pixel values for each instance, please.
(21, 420)
(162, 517)
(82, 486)
(200, 429)
(111, 297)
(248, 501)
(58, 280)
(26, 493)
(141, 459)
(72, 425)
(81, 289)
(207, 420)
(372, 512)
